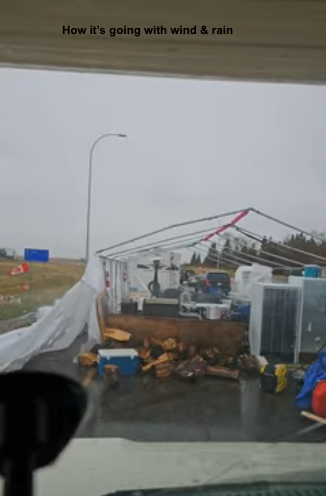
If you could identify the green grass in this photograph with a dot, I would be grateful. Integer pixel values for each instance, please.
(48, 282)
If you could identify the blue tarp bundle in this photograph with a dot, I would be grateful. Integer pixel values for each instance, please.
(316, 372)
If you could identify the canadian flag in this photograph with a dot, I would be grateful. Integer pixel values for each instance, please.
(20, 269)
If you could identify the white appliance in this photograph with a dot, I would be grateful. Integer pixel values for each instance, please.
(312, 316)
(213, 311)
(274, 319)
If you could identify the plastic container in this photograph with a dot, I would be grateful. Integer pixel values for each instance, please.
(126, 359)
(312, 271)
(213, 311)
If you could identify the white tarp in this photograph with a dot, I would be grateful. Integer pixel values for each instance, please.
(246, 275)
(42, 311)
(60, 326)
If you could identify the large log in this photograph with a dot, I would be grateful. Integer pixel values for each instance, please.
(228, 337)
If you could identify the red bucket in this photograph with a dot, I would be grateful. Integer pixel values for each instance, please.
(319, 399)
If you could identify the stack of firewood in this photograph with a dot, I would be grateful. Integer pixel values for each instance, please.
(166, 357)
(169, 357)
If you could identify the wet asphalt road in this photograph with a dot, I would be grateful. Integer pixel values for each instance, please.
(211, 409)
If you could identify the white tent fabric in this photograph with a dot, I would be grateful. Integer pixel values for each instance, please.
(60, 326)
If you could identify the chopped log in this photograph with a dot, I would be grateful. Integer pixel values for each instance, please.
(111, 374)
(163, 358)
(222, 372)
(117, 334)
(144, 354)
(163, 370)
(190, 369)
(87, 359)
(169, 344)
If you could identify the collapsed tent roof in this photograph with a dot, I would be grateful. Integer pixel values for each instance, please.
(274, 40)
(195, 241)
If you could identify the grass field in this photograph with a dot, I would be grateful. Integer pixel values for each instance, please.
(47, 283)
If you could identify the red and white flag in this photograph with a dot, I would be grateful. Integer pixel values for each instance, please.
(24, 267)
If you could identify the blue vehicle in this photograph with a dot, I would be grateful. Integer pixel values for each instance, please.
(212, 282)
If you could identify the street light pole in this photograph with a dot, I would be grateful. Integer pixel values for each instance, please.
(106, 135)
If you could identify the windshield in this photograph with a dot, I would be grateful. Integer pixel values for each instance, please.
(107, 244)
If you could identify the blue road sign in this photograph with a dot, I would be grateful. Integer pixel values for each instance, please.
(34, 255)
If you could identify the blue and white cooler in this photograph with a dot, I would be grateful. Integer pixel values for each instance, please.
(126, 359)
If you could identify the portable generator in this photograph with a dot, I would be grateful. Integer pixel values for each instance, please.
(274, 378)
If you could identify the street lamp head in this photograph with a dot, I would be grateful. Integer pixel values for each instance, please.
(122, 135)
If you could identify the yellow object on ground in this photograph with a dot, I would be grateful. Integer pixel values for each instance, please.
(274, 377)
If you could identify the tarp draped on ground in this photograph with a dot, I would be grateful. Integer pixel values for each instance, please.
(60, 326)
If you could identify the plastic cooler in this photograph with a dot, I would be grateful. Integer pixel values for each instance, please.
(312, 271)
(126, 359)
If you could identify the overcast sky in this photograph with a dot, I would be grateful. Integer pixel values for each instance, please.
(194, 148)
